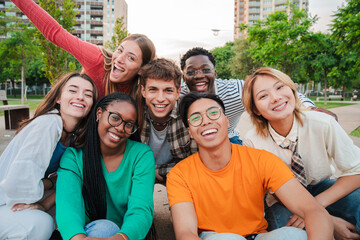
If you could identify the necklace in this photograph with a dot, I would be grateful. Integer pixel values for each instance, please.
(157, 123)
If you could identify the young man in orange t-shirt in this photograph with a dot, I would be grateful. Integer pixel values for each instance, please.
(218, 193)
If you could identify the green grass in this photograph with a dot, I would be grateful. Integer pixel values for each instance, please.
(356, 132)
(332, 104)
(32, 104)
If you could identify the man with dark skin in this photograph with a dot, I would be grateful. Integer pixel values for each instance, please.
(199, 73)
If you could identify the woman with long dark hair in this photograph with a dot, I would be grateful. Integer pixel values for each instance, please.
(111, 72)
(105, 189)
(34, 153)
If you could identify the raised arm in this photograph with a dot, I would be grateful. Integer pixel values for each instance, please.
(86, 53)
(184, 221)
(298, 200)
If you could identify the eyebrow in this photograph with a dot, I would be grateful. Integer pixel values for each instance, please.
(122, 47)
(75, 86)
(265, 89)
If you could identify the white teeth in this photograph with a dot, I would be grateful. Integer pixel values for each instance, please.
(208, 131)
(279, 106)
(114, 136)
(78, 105)
(200, 84)
(120, 68)
(159, 106)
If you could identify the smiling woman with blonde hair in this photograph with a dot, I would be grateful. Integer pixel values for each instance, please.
(311, 143)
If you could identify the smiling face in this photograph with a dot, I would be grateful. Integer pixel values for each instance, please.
(210, 133)
(274, 100)
(114, 138)
(126, 62)
(160, 98)
(202, 74)
(76, 98)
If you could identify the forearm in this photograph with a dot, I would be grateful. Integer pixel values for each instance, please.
(48, 202)
(78, 237)
(341, 188)
(319, 225)
(187, 236)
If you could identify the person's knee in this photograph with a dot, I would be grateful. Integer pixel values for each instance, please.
(39, 226)
(101, 228)
(284, 233)
(223, 236)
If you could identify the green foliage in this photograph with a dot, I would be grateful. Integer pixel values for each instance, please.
(120, 33)
(35, 74)
(346, 29)
(223, 57)
(241, 64)
(55, 59)
(278, 39)
(16, 51)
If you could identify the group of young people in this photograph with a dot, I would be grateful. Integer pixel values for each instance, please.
(98, 160)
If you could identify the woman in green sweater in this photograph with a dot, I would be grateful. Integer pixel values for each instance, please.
(105, 190)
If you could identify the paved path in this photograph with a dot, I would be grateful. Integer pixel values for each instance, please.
(349, 119)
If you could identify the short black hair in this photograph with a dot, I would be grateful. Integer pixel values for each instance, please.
(195, 52)
(190, 98)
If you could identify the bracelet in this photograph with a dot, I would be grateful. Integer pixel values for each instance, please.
(122, 235)
(52, 183)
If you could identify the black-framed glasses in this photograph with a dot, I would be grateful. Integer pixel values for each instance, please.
(192, 73)
(196, 119)
(115, 119)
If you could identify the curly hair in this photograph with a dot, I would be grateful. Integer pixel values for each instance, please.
(195, 52)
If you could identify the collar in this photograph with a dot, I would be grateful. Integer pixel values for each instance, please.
(285, 141)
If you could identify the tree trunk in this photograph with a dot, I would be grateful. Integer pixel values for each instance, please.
(325, 85)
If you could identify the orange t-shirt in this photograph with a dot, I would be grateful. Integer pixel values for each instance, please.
(230, 200)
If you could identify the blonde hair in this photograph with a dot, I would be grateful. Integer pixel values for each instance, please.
(259, 121)
(147, 48)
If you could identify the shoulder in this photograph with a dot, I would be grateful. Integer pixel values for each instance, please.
(135, 146)
(315, 117)
(228, 82)
(72, 159)
(186, 165)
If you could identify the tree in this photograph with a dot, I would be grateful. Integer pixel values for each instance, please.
(223, 57)
(55, 59)
(16, 51)
(241, 64)
(346, 29)
(279, 37)
(120, 33)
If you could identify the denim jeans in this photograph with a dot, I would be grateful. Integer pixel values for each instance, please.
(347, 208)
(236, 140)
(284, 233)
(102, 228)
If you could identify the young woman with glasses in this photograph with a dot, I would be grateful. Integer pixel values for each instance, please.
(105, 189)
(26, 165)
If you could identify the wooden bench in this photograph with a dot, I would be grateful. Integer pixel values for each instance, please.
(13, 114)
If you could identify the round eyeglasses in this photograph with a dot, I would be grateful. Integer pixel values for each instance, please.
(196, 119)
(115, 119)
(192, 73)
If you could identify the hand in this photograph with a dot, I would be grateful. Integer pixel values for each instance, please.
(31, 206)
(158, 178)
(344, 230)
(296, 221)
(320, 109)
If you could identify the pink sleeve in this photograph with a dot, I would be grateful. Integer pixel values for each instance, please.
(89, 55)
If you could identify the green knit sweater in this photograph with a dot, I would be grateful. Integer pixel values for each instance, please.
(129, 193)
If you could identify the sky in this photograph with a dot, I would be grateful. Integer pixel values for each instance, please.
(178, 25)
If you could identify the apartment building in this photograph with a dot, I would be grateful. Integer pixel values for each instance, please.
(248, 11)
(95, 19)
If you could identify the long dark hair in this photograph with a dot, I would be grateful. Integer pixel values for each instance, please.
(94, 185)
(49, 103)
